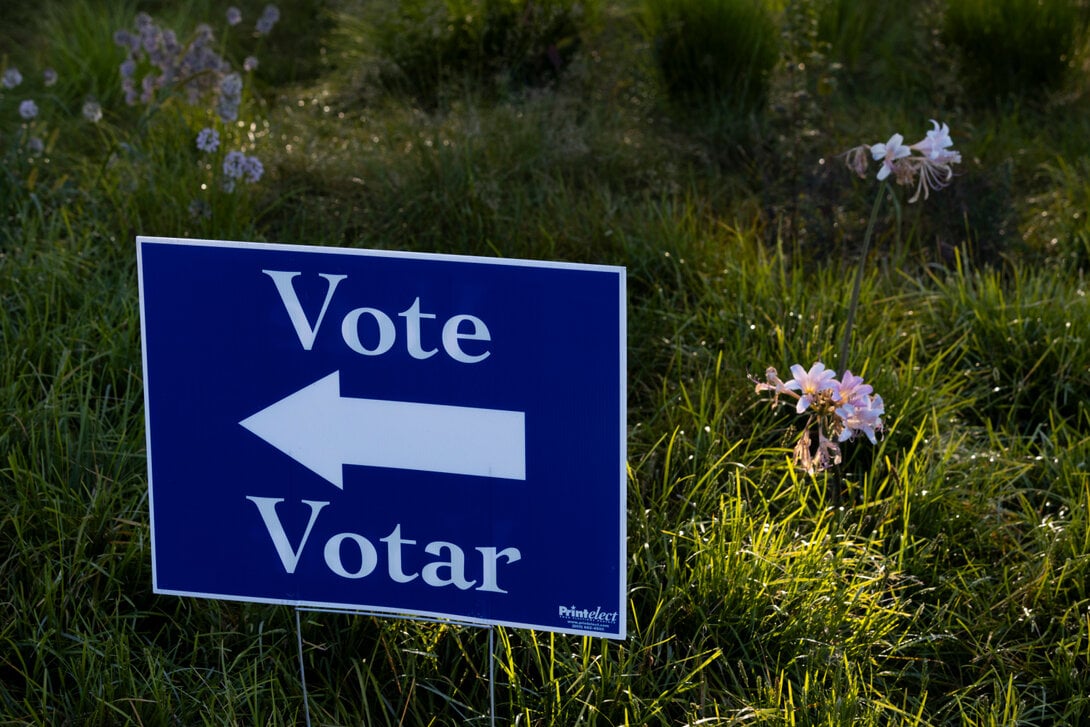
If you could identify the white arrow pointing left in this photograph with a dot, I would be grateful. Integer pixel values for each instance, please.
(324, 431)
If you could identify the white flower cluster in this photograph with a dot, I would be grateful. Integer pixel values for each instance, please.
(929, 168)
(237, 166)
(196, 67)
(11, 78)
(30, 113)
(837, 411)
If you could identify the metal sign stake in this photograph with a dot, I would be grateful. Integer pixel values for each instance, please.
(302, 665)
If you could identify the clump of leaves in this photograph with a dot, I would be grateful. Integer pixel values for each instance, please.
(1014, 48)
(424, 46)
(714, 52)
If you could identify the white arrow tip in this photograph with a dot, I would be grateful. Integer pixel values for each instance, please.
(292, 426)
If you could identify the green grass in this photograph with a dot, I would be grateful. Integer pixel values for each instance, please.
(937, 578)
(714, 53)
(1019, 48)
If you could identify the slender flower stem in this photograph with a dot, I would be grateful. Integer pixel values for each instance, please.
(845, 344)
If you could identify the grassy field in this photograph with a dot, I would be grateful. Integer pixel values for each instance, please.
(940, 576)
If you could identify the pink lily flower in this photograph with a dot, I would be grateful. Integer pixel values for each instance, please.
(888, 153)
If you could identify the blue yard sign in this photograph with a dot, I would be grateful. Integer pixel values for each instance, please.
(430, 435)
